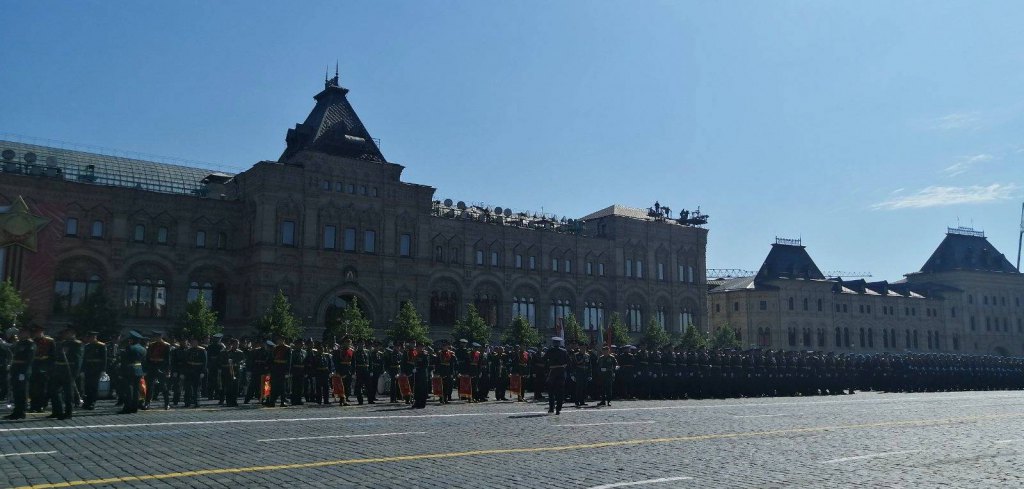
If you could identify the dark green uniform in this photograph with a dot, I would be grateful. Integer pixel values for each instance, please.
(67, 364)
(131, 374)
(231, 361)
(195, 367)
(606, 365)
(22, 358)
(94, 363)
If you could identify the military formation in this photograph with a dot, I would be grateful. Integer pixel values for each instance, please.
(64, 374)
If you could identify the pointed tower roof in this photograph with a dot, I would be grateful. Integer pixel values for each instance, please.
(967, 249)
(332, 127)
(788, 259)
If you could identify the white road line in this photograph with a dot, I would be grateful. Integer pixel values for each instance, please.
(22, 454)
(870, 455)
(345, 436)
(641, 483)
(1010, 441)
(764, 415)
(507, 413)
(606, 424)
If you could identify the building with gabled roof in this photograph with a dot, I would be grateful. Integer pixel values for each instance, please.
(966, 298)
(330, 221)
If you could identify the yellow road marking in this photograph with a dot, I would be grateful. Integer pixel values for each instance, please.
(505, 451)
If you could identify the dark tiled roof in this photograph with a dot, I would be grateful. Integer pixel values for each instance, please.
(740, 283)
(332, 127)
(967, 252)
(789, 261)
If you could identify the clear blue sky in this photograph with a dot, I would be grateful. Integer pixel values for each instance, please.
(864, 127)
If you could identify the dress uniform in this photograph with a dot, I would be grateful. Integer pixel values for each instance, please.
(232, 361)
(131, 372)
(94, 363)
(556, 360)
(23, 354)
(212, 379)
(298, 372)
(445, 368)
(607, 364)
(196, 365)
(41, 367)
(362, 361)
(67, 363)
(343, 363)
(158, 370)
(280, 366)
(256, 365)
(421, 376)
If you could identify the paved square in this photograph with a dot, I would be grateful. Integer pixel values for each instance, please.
(870, 440)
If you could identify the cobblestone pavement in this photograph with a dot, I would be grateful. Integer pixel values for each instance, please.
(957, 439)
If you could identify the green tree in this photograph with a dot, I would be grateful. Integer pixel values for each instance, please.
(198, 320)
(279, 320)
(12, 306)
(693, 340)
(472, 327)
(572, 332)
(520, 332)
(620, 335)
(348, 322)
(725, 337)
(654, 335)
(95, 313)
(408, 325)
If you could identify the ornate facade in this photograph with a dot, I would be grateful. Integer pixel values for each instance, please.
(967, 298)
(329, 221)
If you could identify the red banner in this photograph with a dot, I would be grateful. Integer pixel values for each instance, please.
(515, 384)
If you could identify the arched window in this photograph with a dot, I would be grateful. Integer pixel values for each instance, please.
(71, 289)
(659, 316)
(487, 305)
(204, 289)
(821, 337)
(871, 338)
(806, 337)
(444, 308)
(525, 307)
(846, 337)
(792, 336)
(634, 317)
(839, 338)
(593, 316)
(560, 309)
(146, 298)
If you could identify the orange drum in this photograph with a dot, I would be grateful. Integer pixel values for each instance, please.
(465, 387)
(515, 383)
(403, 385)
(143, 388)
(436, 385)
(266, 386)
(338, 386)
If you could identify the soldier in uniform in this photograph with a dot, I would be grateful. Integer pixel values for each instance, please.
(627, 369)
(538, 374)
(22, 357)
(476, 363)
(521, 367)
(298, 372)
(445, 368)
(607, 364)
(158, 370)
(67, 363)
(343, 358)
(324, 368)
(579, 361)
(256, 365)
(131, 372)
(556, 360)
(497, 366)
(178, 368)
(362, 361)
(94, 363)
(40, 369)
(232, 361)
(6, 341)
(212, 380)
(393, 367)
(196, 365)
(280, 368)
(421, 375)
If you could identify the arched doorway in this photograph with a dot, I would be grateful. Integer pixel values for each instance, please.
(340, 302)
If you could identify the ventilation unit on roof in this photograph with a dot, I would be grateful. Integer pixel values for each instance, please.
(8, 155)
(29, 157)
(447, 202)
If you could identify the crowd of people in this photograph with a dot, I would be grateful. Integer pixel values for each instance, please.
(151, 372)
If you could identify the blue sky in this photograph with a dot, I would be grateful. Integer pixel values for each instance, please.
(866, 128)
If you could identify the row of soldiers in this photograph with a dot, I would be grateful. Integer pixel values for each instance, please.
(65, 372)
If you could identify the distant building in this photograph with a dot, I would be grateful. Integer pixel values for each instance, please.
(967, 298)
(329, 221)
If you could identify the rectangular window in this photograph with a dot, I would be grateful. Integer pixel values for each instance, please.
(661, 271)
(350, 239)
(494, 258)
(600, 269)
(456, 253)
(629, 267)
(689, 275)
(735, 306)
(337, 187)
(97, 229)
(533, 263)
(554, 264)
(288, 233)
(161, 234)
(639, 269)
(369, 241)
(200, 239)
(568, 266)
(140, 234)
(681, 273)
(405, 245)
(519, 261)
(590, 268)
(71, 227)
(819, 305)
(479, 257)
(330, 238)
(763, 305)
